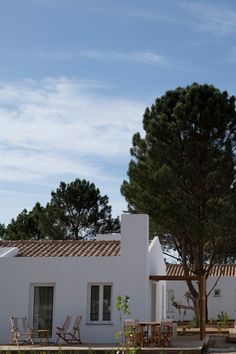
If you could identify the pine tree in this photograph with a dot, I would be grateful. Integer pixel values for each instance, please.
(182, 173)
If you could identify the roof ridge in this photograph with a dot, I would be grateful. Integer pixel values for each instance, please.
(216, 264)
(56, 241)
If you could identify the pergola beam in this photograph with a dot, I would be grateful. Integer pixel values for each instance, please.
(173, 277)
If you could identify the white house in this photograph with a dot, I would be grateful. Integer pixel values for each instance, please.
(221, 298)
(48, 280)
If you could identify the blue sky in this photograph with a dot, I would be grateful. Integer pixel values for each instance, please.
(77, 75)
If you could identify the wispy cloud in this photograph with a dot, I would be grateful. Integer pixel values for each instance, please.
(59, 55)
(57, 127)
(215, 19)
(54, 125)
(163, 14)
(142, 57)
(232, 54)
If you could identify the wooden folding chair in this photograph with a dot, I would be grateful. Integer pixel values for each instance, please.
(21, 331)
(63, 329)
(70, 336)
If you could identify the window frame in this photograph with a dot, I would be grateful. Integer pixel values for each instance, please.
(100, 307)
(169, 305)
(219, 292)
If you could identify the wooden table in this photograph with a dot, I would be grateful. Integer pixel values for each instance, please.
(151, 333)
(148, 334)
(43, 334)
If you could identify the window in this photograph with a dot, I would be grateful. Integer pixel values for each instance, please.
(217, 292)
(94, 304)
(169, 298)
(106, 311)
(43, 307)
(100, 302)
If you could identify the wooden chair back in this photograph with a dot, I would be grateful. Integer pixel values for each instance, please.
(156, 335)
(66, 324)
(68, 334)
(76, 327)
(20, 330)
(166, 332)
(133, 333)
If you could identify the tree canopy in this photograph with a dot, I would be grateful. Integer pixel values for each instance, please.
(182, 173)
(81, 210)
(2, 230)
(76, 211)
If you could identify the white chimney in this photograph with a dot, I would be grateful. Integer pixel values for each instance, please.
(108, 237)
(134, 235)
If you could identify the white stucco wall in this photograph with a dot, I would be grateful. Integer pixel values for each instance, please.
(157, 267)
(226, 302)
(180, 288)
(128, 274)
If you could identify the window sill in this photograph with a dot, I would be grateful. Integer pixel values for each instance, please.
(99, 323)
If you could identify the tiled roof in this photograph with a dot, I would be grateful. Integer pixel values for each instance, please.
(64, 248)
(217, 270)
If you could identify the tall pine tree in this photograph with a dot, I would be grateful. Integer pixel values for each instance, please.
(182, 173)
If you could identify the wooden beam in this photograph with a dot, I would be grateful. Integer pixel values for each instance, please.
(174, 277)
(202, 294)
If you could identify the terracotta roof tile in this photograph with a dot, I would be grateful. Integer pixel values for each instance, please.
(64, 248)
(217, 270)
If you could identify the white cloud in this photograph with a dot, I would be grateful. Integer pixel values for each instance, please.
(204, 16)
(162, 15)
(232, 54)
(56, 125)
(215, 19)
(58, 55)
(29, 165)
(56, 128)
(144, 57)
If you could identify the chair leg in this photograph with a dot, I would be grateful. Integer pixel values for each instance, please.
(59, 336)
(75, 339)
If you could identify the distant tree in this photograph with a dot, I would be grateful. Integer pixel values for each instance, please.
(2, 231)
(76, 211)
(23, 228)
(182, 173)
(79, 208)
